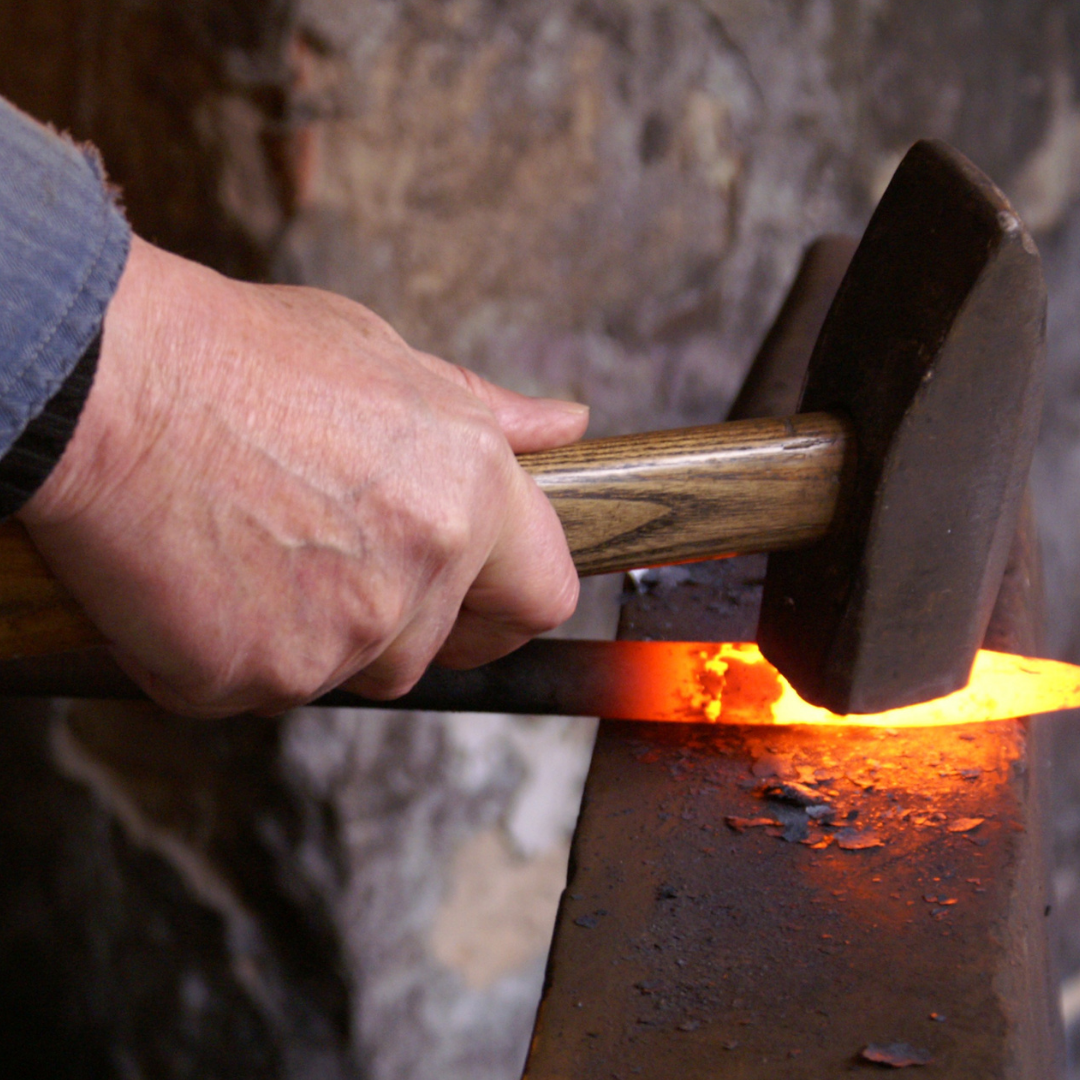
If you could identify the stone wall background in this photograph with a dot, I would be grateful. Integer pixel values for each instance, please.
(591, 198)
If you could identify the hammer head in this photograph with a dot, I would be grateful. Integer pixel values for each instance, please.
(933, 348)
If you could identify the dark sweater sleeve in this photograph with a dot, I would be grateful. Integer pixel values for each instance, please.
(63, 246)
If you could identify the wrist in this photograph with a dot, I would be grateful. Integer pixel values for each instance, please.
(107, 407)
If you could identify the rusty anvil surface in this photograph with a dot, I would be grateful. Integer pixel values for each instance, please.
(686, 948)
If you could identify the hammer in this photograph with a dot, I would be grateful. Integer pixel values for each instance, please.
(888, 503)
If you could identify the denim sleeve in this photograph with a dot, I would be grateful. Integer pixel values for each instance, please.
(63, 245)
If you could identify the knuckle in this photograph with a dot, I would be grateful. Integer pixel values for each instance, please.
(470, 380)
(565, 600)
(202, 692)
(303, 687)
(380, 620)
(555, 606)
(388, 684)
(448, 534)
(443, 531)
(483, 394)
(465, 499)
(286, 694)
(280, 674)
(399, 687)
(491, 447)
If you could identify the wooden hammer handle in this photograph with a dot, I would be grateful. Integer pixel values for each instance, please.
(635, 500)
(695, 493)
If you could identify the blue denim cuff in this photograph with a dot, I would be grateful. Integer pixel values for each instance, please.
(63, 246)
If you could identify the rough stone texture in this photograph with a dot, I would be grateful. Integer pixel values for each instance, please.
(586, 197)
(184, 100)
(1057, 487)
(450, 877)
(607, 199)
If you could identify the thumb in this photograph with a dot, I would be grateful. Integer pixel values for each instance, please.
(528, 423)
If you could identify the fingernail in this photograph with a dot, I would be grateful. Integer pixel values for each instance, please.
(573, 408)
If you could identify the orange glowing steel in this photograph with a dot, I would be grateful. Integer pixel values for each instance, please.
(735, 684)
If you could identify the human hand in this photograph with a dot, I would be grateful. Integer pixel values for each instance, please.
(268, 491)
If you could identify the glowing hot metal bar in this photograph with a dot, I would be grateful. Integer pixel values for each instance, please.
(727, 683)
(1002, 686)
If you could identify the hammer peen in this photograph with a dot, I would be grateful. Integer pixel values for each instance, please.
(889, 501)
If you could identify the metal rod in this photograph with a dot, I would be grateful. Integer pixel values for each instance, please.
(545, 677)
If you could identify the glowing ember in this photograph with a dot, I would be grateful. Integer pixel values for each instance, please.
(737, 685)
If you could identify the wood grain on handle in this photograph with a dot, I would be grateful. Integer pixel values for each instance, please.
(695, 493)
(635, 500)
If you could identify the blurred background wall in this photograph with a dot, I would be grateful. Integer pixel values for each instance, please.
(602, 199)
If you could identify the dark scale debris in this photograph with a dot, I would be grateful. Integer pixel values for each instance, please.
(741, 824)
(794, 793)
(964, 824)
(812, 802)
(898, 1055)
(850, 839)
(820, 801)
(795, 831)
